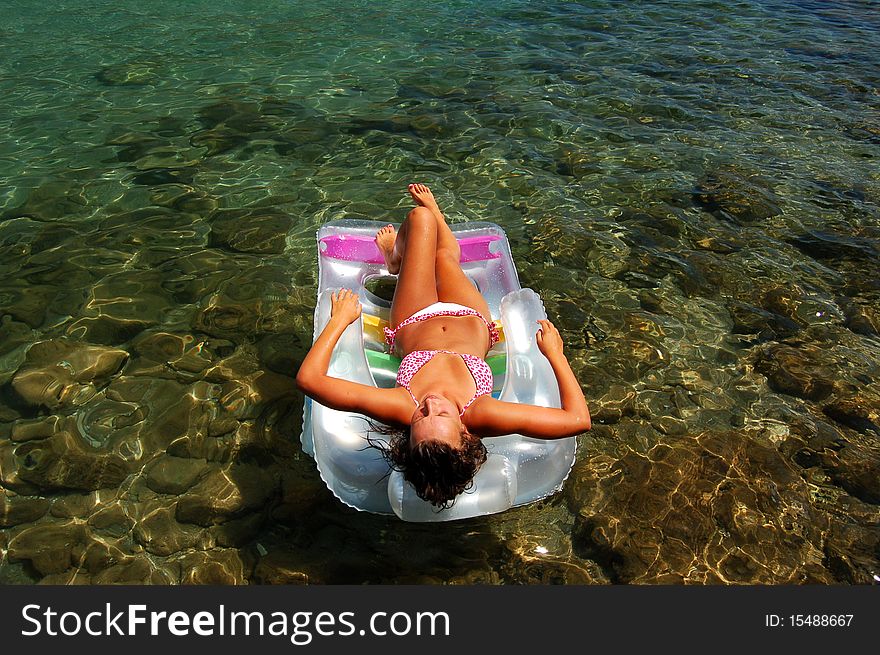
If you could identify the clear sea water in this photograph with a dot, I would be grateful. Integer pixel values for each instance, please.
(693, 188)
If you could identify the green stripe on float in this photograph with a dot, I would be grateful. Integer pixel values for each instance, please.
(497, 363)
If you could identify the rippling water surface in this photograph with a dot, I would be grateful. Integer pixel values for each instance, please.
(692, 187)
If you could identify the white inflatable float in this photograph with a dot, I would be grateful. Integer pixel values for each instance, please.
(519, 469)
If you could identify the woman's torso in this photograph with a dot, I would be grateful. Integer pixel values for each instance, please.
(445, 374)
(461, 334)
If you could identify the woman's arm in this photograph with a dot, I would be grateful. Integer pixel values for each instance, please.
(346, 309)
(570, 394)
(494, 417)
(344, 395)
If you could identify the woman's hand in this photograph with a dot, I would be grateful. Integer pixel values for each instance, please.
(549, 339)
(346, 308)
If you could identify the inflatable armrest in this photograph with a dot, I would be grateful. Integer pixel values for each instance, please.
(541, 465)
(530, 379)
(349, 468)
(348, 360)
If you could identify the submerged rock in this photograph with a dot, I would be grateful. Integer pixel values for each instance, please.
(245, 116)
(49, 547)
(162, 176)
(766, 325)
(226, 493)
(220, 139)
(16, 573)
(16, 510)
(280, 567)
(861, 318)
(105, 330)
(223, 318)
(74, 505)
(859, 412)
(856, 469)
(63, 462)
(134, 145)
(217, 567)
(13, 346)
(232, 125)
(129, 74)
(59, 372)
(236, 533)
(827, 245)
(160, 534)
(620, 401)
(172, 475)
(113, 520)
(137, 571)
(713, 509)
(52, 387)
(184, 198)
(54, 200)
(97, 555)
(169, 411)
(577, 163)
(740, 196)
(29, 305)
(793, 302)
(253, 230)
(282, 353)
(9, 468)
(41, 428)
(795, 371)
(853, 542)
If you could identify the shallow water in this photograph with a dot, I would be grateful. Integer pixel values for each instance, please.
(692, 187)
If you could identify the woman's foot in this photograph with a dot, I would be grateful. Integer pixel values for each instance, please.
(385, 239)
(423, 196)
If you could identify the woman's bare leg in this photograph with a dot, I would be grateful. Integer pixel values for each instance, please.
(411, 254)
(452, 284)
(445, 238)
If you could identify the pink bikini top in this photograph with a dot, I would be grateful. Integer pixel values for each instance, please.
(494, 336)
(413, 362)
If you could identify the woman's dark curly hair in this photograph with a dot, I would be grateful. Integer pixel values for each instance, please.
(438, 471)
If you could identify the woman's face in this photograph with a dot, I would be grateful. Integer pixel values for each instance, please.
(435, 418)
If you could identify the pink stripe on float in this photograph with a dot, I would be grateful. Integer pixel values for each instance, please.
(359, 248)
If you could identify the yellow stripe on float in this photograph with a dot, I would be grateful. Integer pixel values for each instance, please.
(374, 327)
